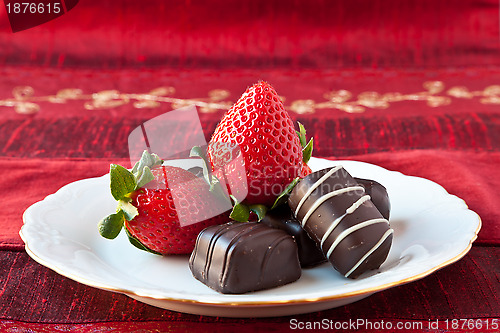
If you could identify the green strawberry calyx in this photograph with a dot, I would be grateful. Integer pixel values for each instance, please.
(211, 179)
(241, 212)
(307, 147)
(122, 184)
(282, 198)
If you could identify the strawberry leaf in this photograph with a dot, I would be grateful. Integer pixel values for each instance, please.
(147, 160)
(111, 225)
(307, 147)
(122, 181)
(218, 190)
(240, 212)
(281, 199)
(307, 151)
(135, 242)
(128, 210)
(302, 134)
(259, 210)
(196, 151)
(144, 177)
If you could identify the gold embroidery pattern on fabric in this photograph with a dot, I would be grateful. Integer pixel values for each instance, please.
(342, 99)
(434, 95)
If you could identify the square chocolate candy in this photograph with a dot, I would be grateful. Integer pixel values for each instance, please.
(236, 258)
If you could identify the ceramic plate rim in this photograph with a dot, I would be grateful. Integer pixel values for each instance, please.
(232, 301)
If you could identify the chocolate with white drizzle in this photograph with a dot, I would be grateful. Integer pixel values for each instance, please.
(340, 217)
(310, 254)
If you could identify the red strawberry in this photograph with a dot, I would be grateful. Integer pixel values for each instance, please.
(166, 214)
(258, 136)
(305, 170)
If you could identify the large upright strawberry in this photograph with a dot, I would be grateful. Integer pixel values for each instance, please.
(255, 147)
(162, 208)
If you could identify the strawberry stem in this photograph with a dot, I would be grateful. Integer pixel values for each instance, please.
(128, 210)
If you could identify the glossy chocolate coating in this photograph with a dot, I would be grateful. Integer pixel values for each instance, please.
(236, 258)
(282, 218)
(378, 195)
(338, 215)
(310, 254)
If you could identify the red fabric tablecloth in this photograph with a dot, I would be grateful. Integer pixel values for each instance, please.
(49, 149)
(412, 87)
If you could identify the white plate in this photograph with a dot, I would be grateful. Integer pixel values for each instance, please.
(432, 229)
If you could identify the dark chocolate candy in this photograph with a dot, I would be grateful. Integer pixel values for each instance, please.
(310, 254)
(378, 195)
(338, 215)
(282, 218)
(236, 258)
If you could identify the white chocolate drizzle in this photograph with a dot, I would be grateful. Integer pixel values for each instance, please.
(314, 186)
(369, 253)
(349, 210)
(327, 196)
(352, 229)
